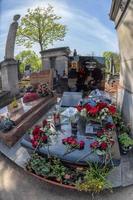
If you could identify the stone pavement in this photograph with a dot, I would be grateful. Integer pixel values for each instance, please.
(15, 184)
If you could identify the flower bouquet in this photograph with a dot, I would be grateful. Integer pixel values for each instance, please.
(43, 90)
(41, 134)
(30, 96)
(103, 143)
(96, 113)
(72, 143)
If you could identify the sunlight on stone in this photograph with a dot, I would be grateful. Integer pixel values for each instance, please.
(9, 182)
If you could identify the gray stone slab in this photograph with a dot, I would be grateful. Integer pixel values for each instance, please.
(71, 99)
(115, 177)
(127, 169)
(21, 157)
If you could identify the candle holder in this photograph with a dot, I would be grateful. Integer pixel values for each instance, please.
(74, 129)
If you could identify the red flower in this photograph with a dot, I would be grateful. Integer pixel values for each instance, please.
(70, 140)
(103, 145)
(36, 137)
(88, 107)
(79, 108)
(34, 143)
(101, 105)
(94, 145)
(110, 126)
(44, 123)
(64, 141)
(93, 110)
(30, 97)
(74, 143)
(99, 133)
(44, 138)
(112, 109)
(81, 144)
(36, 130)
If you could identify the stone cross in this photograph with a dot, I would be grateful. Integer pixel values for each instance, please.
(10, 43)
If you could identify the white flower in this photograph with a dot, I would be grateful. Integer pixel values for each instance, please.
(103, 117)
(83, 113)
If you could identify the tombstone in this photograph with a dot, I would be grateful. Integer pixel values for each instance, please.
(45, 76)
(56, 58)
(9, 67)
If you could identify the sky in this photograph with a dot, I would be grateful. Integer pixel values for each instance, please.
(89, 27)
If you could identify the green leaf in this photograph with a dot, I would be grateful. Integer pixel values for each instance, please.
(40, 26)
(100, 153)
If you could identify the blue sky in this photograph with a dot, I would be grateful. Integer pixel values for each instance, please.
(89, 27)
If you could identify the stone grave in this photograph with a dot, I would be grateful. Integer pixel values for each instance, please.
(24, 117)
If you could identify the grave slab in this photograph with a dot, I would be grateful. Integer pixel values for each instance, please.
(26, 121)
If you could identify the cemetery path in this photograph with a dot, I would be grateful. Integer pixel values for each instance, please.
(16, 184)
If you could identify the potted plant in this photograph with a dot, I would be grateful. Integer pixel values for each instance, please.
(126, 143)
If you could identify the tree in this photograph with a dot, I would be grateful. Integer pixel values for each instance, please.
(108, 55)
(29, 57)
(40, 26)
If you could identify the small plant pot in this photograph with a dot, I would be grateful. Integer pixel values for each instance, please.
(124, 150)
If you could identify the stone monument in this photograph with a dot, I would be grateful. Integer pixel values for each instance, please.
(56, 58)
(122, 14)
(9, 67)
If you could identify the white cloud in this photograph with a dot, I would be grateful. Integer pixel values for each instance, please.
(85, 32)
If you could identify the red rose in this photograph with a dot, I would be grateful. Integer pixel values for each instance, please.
(34, 143)
(112, 109)
(81, 144)
(101, 105)
(99, 133)
(70, 140)
(94, 145)
(44, 122)
(36, 137)
(103, 145)
(64, 141)
(36, 130)
(93, 111)
(79, 108)
(44, 138)
(74, 143)
(110, 126)
(88, 107)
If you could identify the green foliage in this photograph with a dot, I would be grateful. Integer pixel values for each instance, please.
(39, 165)
(51, 167)
(92, 178)
(95, 179)
(116, 58)
(58, 169)
(40, 26)
(125, 140)
(120, 124)
(29, 57)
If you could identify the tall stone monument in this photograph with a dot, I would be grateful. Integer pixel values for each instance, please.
(9, 67)
(122, 14)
